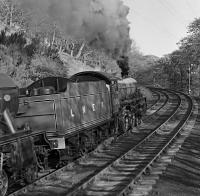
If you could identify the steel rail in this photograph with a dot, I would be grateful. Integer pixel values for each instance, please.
(155, 101)
(159, 102)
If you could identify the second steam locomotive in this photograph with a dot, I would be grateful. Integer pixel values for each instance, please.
(55, 120)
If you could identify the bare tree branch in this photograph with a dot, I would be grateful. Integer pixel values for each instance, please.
(80, 50)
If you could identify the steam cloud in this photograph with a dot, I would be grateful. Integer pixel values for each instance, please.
(102, 23)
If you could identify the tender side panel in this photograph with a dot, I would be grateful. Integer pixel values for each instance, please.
(85, 108)
(38, 112)
(85, 88)
(91, 109)
(70, 112)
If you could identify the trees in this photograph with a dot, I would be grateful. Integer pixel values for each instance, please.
(141, 66)
(177, 65)
(22, 61)
(173, 71)
(11, 15)
(190, 45)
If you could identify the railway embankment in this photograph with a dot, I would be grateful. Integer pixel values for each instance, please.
(182, 176)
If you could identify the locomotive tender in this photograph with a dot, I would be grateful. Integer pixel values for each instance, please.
(55, 120)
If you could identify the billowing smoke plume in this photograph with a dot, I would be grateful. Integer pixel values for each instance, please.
(102, 23)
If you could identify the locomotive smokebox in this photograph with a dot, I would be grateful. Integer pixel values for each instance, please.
(8, 95)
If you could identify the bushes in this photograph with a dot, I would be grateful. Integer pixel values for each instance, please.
(15, 38)
(42, 66)
(23, 62)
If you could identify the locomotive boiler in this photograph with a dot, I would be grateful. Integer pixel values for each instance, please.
(132, 102)
(55, 120)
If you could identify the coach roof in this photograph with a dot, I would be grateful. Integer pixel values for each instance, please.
(93, 76)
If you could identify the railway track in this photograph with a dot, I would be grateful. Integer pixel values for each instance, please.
(157, 97)
(119, 177)
(58, 182)
(168, 144)
(182, 173)
(162, 99)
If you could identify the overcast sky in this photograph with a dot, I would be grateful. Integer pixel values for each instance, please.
(157, 25)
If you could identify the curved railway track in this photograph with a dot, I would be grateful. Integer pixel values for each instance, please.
(119, 177)
(157, 97)
(162, 99)
(164, 140)
(97, 168)
(181, 175)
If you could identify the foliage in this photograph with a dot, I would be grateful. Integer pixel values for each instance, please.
(141, 66)
(173, 70)
(176, 66)
(23, 63)
(11, 13)
(42, 66)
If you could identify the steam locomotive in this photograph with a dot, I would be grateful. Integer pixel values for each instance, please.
(55, 120)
